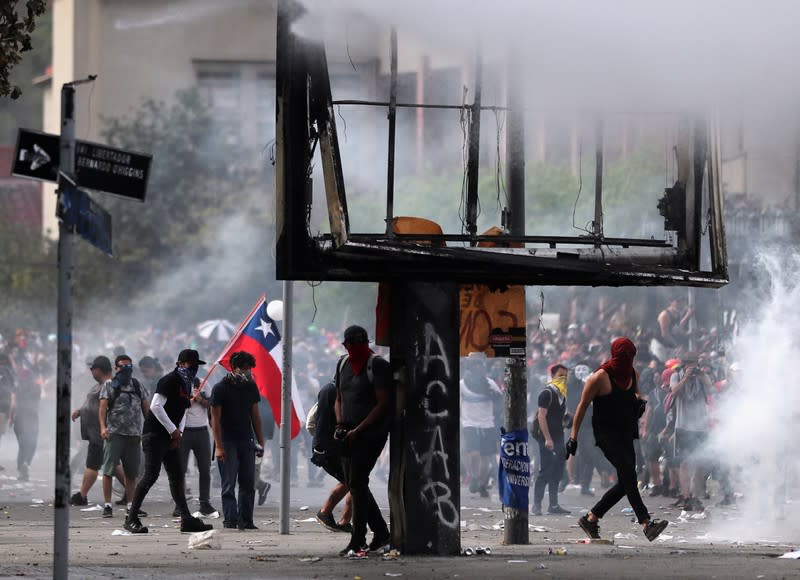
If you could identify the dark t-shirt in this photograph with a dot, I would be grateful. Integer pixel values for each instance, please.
(236, 398)
(555, 412)
(358, 394)
(326, 418)
(171, 387)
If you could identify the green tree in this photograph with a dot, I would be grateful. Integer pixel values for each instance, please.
(15, 38)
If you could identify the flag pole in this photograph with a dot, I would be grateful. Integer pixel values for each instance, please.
(286, 407)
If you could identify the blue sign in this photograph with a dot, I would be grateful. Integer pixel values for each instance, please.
(514, 470)
(77, 210)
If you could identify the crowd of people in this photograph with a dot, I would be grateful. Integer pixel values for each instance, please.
(131, 426)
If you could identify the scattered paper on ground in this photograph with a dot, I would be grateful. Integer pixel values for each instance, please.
(207, 540)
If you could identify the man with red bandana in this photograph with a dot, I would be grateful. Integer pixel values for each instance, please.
(362, 410)
(614, 391)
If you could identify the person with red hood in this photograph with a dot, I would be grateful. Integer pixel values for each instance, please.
(614, 391)
(362, 407)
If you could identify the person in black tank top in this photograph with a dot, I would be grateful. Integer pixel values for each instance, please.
(613, 390)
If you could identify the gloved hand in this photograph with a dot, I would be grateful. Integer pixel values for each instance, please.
(572, 447)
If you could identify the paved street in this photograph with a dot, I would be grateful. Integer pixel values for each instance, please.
(688, 549)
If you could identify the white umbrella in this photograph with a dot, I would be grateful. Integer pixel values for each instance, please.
(221, 329)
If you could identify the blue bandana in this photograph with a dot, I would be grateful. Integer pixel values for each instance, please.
(187, 376)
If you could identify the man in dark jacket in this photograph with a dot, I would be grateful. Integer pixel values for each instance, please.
(235, 420)
(161, 437)
(326, 454)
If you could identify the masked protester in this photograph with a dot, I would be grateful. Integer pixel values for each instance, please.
(161, 437)
(614, 391)
(123, 405)
(550, 413)
(362, 408)
(236, 424)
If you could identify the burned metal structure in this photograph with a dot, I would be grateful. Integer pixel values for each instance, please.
(426, 269)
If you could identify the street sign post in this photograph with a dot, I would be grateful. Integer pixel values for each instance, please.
(99, 167)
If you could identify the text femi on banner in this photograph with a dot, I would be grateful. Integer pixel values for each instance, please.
(259, 336)
(514, 469)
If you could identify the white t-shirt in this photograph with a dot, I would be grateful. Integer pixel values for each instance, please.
(477, 411)
(197, 414)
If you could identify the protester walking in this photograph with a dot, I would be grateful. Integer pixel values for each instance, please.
(613, 392)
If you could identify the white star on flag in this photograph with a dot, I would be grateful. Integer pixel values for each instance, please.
(264, 327)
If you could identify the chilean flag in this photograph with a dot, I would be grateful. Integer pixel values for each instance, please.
(259, 336)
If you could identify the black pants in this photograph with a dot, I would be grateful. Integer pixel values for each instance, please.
(551, 470)
(357, 463)
(156, 451)
(26, 428)
(619, 451)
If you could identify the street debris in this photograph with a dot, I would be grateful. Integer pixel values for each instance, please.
(304, 508)
(120, 533)
(208, 540)
(312, 559)
(213, 516)
(516, 561)
(392, 554)
(477, 551)
(622, 536)
(306, 520)
(791, 555)
(559, 551)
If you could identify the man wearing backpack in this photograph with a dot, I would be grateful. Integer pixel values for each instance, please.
(550, 417)
(123, 405)
(362, 408)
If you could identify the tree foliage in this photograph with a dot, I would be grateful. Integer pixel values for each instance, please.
(15, 38)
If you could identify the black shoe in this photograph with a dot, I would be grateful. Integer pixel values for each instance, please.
(379, 544)
(134, 526)
(482, 491)
(108, 512)
(537, 510)
(263, 490)
(141, 514)
(78, 499)
(656, 491)
(193, 524)
(681, 502)
(592, 529)
(207, 509)
(346, 527)
(122, 501)
(654, 528)
(327, 522)
(247, 526)
(229, 525)
(557, 510)
(693, 504)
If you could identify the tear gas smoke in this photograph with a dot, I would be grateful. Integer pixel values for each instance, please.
(755, 438)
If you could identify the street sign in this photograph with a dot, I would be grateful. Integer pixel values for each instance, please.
(90, 220)
(97, 166)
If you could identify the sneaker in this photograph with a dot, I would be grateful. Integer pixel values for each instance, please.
(350, 549)
(537, 510)
(592, 529)
(357, 554)
(558, 510)
(193, 524)
(207, 509)
(380, 544)
(108, 512)
(78, 499)
(248, 526)
(229, 525)
(327, 522)
(263, 489)
(134, 526)
(346, 527)
(141, 514)
(654, 528)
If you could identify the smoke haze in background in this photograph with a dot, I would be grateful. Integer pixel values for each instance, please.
(758, 419)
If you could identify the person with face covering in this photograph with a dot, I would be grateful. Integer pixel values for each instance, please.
(614, 391)
(161, 437)
(235, 422)
(552, 405)
(362, 411)
(123, 406)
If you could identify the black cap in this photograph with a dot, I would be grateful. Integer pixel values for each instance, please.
(101, 362)
(190, 355)
(355, 335)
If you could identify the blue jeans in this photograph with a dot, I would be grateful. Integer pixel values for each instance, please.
(239, 464)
